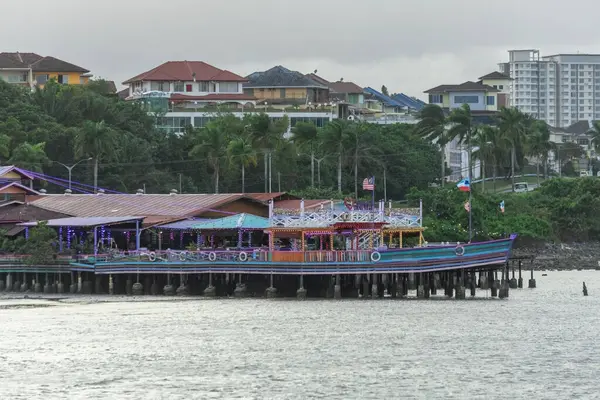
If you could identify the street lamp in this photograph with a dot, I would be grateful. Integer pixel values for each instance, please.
(70, 168)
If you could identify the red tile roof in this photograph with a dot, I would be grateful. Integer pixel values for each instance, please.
(184, 71)
(345, 87)
(212, 97)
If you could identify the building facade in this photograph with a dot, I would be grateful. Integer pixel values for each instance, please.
(192, 93)
(560, 89)
(31, 69)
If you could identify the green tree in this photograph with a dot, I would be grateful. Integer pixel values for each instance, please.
(96, 140)
(335, 135)
(30, 156)
(40, 246)
(513, 127)
(242, 153)
(461, 128)
(305, 136)
(432, 127)
(539, 145)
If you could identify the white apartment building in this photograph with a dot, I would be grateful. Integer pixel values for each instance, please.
(560, 89)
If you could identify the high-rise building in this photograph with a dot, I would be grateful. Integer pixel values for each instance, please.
(560, 89)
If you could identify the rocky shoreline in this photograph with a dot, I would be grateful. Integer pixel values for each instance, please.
(562, 256)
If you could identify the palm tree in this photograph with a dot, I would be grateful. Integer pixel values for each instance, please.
(266, 135)
(211, 142)
(484, 139)
(539, 145)
(242, 153)
(512, 124)
(30, 156)
(335, 135)
(305, 134)
(96, 140)
(432, 127)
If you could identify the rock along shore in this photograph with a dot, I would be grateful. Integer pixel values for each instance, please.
(562, 256)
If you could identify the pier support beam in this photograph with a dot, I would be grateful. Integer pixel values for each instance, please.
(111, 285)
(365, 285)
(412, 284)
(532, 284)
(520, 281)
(504, 291)
(240, 288)
(137, 289)
(460, 292)
(271, 291)
(129, 286)
(183, 289)
(513, 284)
(2, 285)
(494, 287)
(9, 282)
(210, 290)
(301, 292)
(374, 287)
(79, 282)
(337, 289)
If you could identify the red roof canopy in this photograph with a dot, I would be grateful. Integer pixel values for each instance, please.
(184, 71)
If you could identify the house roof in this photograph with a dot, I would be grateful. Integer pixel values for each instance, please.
(271, 196)
(408, 101)
(5, 169)
(148, 205)
(212, 97)
(52, 64)
(579, 128)
(387, 100)
(318, 79)
(282, 77)
(112, 88)
(345, 87)
(234, 222)
(468, 86)
(25, 58)
(17, 184)
(186, 71)
(123, 94)
(85, 221)
(42, 64)
(7, 61)
(495, 75)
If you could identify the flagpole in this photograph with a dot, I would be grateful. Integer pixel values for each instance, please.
(373, 200)
(470, 187)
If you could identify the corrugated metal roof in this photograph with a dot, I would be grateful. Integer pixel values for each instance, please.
(179, 205)
(183, 225)
(239, 221)
(85, 221)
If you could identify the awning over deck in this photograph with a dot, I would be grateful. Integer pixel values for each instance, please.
(234, 222)
(85, 221)
(183, 225)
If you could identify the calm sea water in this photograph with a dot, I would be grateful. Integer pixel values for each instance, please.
(539, 344)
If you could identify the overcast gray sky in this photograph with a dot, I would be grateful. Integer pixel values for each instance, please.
(408, 45)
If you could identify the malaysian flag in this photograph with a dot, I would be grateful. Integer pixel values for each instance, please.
(369, 183)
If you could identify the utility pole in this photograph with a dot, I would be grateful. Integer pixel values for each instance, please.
(270, 165)
(279, 182)
(384, 186)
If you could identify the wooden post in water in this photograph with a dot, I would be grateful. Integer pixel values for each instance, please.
(532, 284)
(520, 281)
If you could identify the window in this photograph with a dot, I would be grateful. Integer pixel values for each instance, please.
(19, 78)
(41, 79)
(583, 142)
(178, 87)
(495, 86)
(490, 100)
(501, 87)
(188, 88)
(455, 158)
(436, 98)
(466, 99)
(282, 93)
(228, 87)
(203, 86)
(64, 79)
(160, 86)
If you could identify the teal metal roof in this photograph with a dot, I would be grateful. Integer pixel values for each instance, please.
(234, 222)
